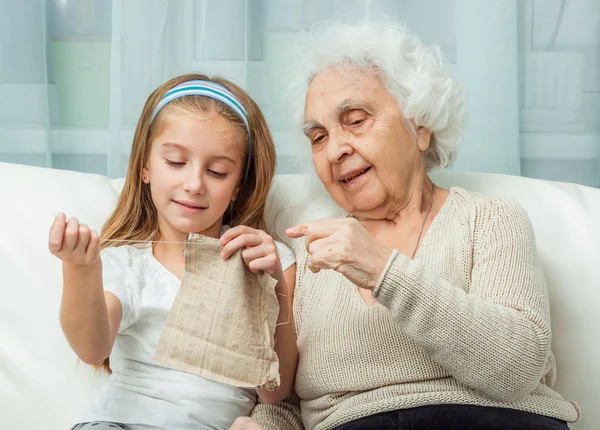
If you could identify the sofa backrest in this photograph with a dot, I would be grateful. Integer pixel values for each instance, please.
(42, 386)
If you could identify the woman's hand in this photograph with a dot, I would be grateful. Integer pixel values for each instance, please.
(73, 242)
(259, 251)
(245, 423)
(345, 246)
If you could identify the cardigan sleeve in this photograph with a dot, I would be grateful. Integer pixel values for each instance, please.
(281, 415)
(492, 335)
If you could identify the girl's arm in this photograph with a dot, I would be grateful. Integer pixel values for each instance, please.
(285, 340)
(89, 317)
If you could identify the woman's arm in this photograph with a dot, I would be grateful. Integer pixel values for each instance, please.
(282, 415)
(285, 339)
(492, 335)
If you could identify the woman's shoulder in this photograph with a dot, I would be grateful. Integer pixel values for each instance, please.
(487, 206)
(490, 213)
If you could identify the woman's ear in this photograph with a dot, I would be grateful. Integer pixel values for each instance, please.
(423, 138)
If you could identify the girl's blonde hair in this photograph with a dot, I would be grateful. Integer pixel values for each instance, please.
(135, 217)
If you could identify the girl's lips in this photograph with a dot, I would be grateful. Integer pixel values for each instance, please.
(189, 206)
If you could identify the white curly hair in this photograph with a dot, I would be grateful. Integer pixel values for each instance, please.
(411, 72)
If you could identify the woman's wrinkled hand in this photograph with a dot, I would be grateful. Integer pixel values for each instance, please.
(245, 423)
(345, 246)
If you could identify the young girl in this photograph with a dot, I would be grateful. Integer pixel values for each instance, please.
(202, 160)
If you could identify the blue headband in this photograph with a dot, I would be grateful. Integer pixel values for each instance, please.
(213, 91)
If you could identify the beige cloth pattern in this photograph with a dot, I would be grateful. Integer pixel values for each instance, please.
(222, 323)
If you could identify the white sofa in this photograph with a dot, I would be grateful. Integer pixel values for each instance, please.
(43, 387)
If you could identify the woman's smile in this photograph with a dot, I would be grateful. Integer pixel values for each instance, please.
(355, 177)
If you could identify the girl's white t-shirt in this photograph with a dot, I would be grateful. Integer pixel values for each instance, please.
(140, 392)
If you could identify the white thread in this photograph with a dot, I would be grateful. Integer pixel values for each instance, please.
(289, 318)
(136, 241)
(140, 241)
(146, 241)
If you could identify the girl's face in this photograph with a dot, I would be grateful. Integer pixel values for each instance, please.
(194, 171)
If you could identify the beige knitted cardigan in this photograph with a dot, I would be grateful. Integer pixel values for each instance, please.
(466, 322)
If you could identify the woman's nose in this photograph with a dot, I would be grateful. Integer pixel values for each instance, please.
(338, 147)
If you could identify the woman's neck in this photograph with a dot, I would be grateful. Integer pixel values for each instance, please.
(416, 203)
(413, 202)
(408, 224)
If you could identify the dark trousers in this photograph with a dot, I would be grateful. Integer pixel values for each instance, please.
(456, 417)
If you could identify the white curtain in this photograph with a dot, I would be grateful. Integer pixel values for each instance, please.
(74, 74)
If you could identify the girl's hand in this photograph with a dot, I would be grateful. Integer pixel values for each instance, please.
(73, 242)
(259, 250)
(345, 246)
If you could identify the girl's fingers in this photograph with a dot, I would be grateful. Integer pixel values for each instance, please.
(267, 264)
(253, 253)
(234, 232)
(93, 247)
(83, 238)
(57, 232)
(71, 234)
(245, 240)
(73, 242)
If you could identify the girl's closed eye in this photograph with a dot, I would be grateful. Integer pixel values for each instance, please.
(174, 163)
(217, 174)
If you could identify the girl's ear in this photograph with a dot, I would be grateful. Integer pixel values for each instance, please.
(145, 175)
(235, 194)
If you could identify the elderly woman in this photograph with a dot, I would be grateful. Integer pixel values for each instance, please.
(425, 308)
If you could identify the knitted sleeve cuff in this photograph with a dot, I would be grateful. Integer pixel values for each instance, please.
(383, 284)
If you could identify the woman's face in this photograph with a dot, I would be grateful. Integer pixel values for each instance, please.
(362, 151)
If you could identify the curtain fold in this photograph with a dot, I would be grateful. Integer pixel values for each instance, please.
(487, 68)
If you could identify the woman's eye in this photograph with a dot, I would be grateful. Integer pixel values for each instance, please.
(217, 174)
(357, 121)
(318, 139)
(174, 163)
